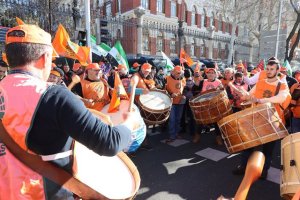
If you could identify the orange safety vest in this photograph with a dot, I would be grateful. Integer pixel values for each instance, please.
(175, 86)
(265, 90)
(236, 102)
(207, 85)
(295, 109)
(144, 84)
(20, 95)
(97, 91)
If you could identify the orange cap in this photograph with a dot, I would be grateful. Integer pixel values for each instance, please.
(55, 73)
(240, 66)
(122, 67)
(178, 68)
(92, 66)
(136, 65)
(28, 33)
(76, 66)
(146, 67)
(209, 69)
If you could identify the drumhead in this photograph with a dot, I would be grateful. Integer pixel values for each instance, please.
(117, 117)
(155, 100)
(109, 176)
(205, 97)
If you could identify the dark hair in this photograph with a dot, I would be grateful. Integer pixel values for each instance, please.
(19, 54)
(274, 61)
(3, 64)
(60, 71)
(238, 75)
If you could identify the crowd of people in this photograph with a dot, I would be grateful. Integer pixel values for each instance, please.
(53, 110)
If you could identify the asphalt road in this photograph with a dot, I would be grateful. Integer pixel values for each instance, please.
(203, 171)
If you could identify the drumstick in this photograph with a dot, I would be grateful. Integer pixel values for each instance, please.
(133, 84)
(253, 171)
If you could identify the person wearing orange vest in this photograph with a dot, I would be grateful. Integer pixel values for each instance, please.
(228, 77)
(93, 90)
(201, 87)
(295, 108)
(44, 118)
(270, 90)
(233, 95)
(56, 76)
(175, 84)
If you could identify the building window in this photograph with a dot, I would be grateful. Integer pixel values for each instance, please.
(184, 15)
(202, 51)
(118, 6)
(219, 50)
(192, 50)
(212, 20)
(108, 9)
(159, 44)
(193, 20)
(205, 21)
(220, 23)
(227, 27)
(145, 4)
(145, 42)
(173, 9)
(173, 46)
(160, 6)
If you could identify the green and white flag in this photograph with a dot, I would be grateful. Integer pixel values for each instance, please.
(100, 50)
(169, 65)
(287, 65)
(119, 54)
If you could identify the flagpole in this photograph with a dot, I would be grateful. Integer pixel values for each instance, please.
(88, 25)
(278, 29)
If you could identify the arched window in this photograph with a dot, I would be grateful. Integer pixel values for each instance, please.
(193, 44)
(193, 19)
(173, 44)
(146, 40)
(204, 22)
(212, 19)
(159, 42)
(145, 4)
(220, 22)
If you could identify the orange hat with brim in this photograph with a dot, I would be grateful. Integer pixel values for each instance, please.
(240, 66)
(93, 66)
(55, 73)
(28, 33)
(146, 67)
(136, 65)
(210, 69)
(76, 66)
(178, 68)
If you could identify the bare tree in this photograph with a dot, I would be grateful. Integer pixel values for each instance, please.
(290, 54)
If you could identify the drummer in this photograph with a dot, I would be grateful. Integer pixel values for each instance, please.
(143, 82)
(47, 117)
(175, 84)
(269, 90)
(233, 95)
(295, 107)
(211, 83)
(228, 77)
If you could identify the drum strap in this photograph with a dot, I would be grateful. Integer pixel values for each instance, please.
(277, 91)
(47, 169)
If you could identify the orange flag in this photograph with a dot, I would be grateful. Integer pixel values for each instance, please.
(66, 48)
(19, 21)
(184, 57)
(118, 91)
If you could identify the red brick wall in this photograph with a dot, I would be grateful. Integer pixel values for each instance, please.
(179, 11)
(152, 45)
(167, 8)
(152, 6)
(166, 47)
(129, 39)
(188, 18)
(223, 26)
(207, 21)
(129, 5)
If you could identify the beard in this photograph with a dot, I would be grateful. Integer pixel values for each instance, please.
(272, 76)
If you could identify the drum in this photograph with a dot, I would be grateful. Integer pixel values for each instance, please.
(155, 107)
(251, 127)
(115, 177)
(139, 133)
(209, 108)
(290, 159)
(246, 104)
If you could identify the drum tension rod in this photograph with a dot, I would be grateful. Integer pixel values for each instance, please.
(292, 163)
